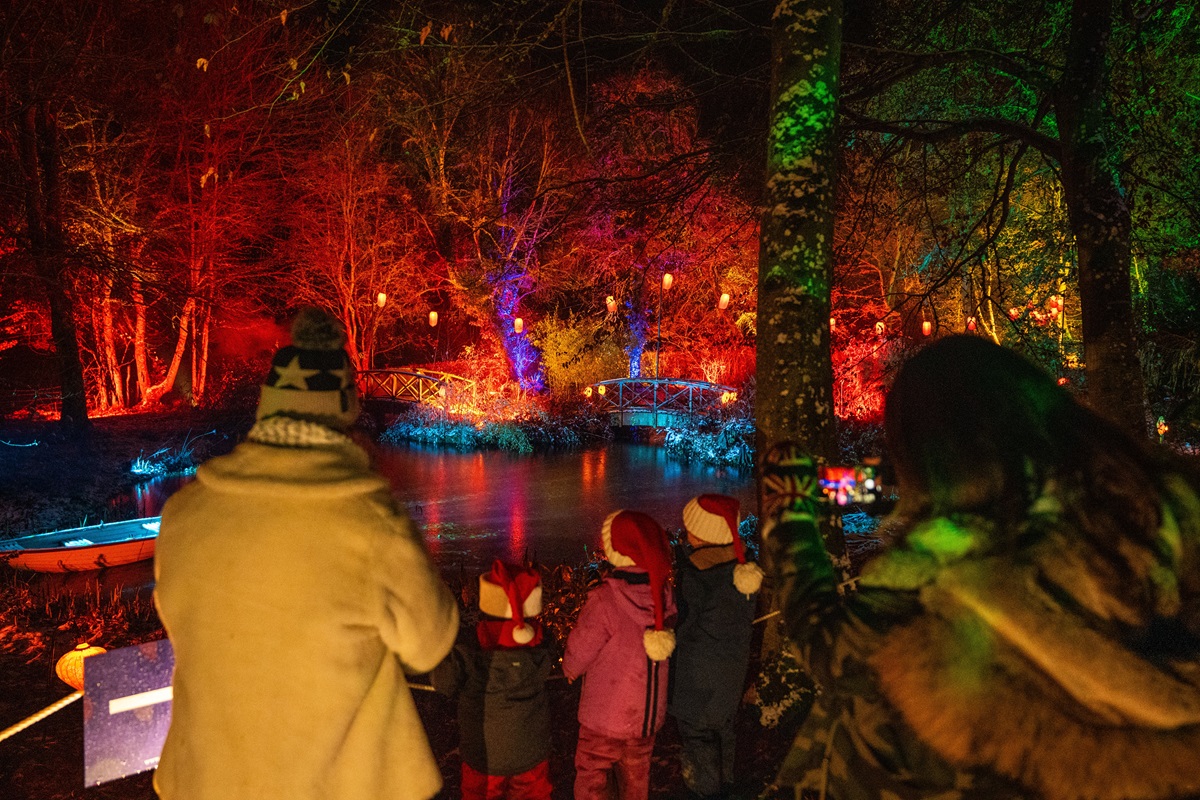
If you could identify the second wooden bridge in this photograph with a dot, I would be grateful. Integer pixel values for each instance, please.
(658, 402)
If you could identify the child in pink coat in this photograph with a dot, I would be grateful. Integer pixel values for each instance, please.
(621, 644)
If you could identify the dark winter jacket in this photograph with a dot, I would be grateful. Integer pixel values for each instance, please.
(960, 670)
(503, 712)
(712, 637)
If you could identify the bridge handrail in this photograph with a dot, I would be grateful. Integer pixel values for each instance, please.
(416, 385)
(643, 389)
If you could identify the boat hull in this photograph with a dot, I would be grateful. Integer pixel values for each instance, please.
(83, 549)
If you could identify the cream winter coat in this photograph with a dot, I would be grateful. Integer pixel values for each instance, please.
(297, 597)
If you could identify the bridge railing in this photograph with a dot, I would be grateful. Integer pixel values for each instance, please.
(660, 395)
(411, 385)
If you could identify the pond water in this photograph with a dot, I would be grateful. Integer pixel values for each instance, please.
(475, 507)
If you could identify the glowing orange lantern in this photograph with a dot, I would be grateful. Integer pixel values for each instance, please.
(70, 667)
(1162, 427)
(1063, 381)
(587, 392)
(668, 281)
(833, 323)
(926, 327)
(600, 391)
(723, 303)
(518, 325)
(880, 328)
(970, 323)
(611, 303)
(381, 299)
(433, 319)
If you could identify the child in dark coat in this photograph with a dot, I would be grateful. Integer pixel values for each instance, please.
(621, 644)
(499, 676)
(715, 590)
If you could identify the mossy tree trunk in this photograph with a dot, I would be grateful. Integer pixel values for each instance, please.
(794, 396)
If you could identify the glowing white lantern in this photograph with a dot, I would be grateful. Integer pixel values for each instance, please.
(433, 319)
(381, 299)
(518, 325)
(668, 280)
(723, 303)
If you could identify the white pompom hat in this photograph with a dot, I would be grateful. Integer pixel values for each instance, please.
(634, 539)
(513, 594)
(714, 518)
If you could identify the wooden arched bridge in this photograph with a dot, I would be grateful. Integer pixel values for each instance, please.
(429, 387)
(658, 402)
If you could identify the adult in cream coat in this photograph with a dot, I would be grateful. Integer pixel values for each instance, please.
(297, 597)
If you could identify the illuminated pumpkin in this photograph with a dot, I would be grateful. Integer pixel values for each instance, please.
(926, 328)
(611, 303)
(668, 280)
(433, 319)
(70, 667)
(518, 325)
(723, 303)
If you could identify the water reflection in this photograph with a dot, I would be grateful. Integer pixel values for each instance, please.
(474, 507)
(479, 506)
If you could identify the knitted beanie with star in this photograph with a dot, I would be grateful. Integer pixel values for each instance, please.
(312, 378)
(513, 596)
(634, 539)
(714, 518)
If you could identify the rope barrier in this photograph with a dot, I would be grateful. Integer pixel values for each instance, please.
(39, 716)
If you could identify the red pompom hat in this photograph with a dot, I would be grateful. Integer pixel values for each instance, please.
(634, 539)
(714, 518)
(513, 594)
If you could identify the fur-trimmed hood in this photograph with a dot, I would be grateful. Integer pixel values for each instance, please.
(1036, 667)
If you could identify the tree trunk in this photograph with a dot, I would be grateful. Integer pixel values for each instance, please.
(138, 297)
(43, 213)
(112, 366)
(1100, 221)
(794, 396)
(153, 393)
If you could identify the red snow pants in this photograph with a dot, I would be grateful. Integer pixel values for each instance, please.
(532, 784)
(597, 755)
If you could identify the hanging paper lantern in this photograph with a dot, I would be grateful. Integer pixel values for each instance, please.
(518, 325)
(880, 328)
(433, 319)
(926, 327)
(668, 281)
(600, 390)
(381, 299)
(611, 303)
(970, 323)
(723, 303)
(587, 392)
(70, 667)
(833, 323)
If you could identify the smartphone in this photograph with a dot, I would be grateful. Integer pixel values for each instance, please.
(844, 485)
